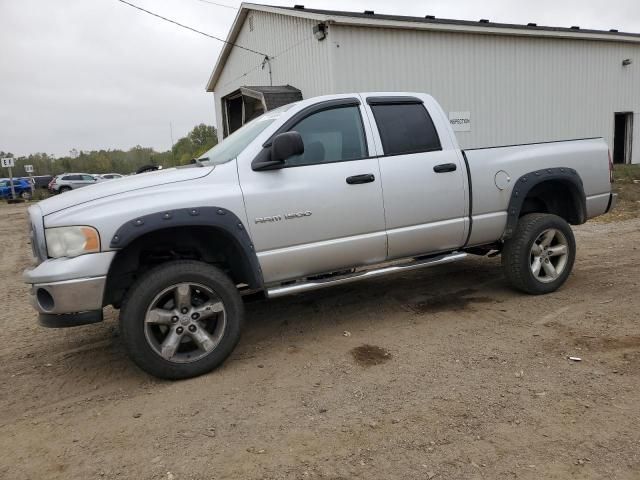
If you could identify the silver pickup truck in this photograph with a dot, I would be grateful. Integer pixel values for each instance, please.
(318, 193)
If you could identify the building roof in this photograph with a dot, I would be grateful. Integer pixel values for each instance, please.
(372, 19)
(482, 23)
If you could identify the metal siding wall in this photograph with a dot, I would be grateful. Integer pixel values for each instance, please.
(301, 61)
(517, 89)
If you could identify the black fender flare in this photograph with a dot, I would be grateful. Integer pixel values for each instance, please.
(529, 180)
(217, 217)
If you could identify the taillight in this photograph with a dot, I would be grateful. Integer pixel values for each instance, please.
(610, 168)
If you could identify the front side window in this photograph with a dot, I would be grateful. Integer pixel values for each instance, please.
(87, 178)
(405, 128)
(334, 135)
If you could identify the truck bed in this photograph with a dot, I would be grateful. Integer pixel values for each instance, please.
(497, 169)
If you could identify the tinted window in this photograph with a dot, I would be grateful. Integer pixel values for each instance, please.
(405, 128)
(70, 177)
(87, 177)
(333, 135)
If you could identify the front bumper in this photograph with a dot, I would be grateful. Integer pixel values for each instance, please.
(69, 291)
(68, 296)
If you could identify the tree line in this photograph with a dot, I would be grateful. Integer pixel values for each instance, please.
(198, 141)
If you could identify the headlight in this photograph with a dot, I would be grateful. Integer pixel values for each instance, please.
(71, 241)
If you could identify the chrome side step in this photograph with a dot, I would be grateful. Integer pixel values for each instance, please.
(281, 291)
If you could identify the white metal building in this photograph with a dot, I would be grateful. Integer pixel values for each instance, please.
(501, 84)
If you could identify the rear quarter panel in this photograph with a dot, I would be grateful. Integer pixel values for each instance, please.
(589, 157)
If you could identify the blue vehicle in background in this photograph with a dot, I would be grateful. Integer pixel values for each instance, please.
(21, 186)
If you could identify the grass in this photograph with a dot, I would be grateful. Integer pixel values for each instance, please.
(627, 186)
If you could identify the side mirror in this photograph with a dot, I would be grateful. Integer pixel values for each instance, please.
(283, 146)
(286, 145)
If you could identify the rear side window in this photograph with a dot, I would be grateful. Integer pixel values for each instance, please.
(69, 177)
(405, 128)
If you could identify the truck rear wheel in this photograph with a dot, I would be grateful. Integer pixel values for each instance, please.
(181, 319)
(540, 255)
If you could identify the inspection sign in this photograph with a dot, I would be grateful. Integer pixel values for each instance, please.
(460, 121)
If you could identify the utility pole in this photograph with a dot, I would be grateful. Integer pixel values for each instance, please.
(173, 157)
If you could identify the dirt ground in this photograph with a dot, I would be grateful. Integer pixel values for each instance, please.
(442, 373)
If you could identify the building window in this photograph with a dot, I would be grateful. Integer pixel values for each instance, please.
(405, 128)
(247, 103)
(238, 110)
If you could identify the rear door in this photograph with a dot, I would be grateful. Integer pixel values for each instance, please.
(323, 211)
(73, 181)
(423, 176)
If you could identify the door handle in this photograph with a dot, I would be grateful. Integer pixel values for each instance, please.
(445, 167)
(365, 178)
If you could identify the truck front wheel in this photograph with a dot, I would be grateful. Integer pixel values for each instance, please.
(181, 319)
(540, 255)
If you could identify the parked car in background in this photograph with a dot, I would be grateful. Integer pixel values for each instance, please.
(21, 186)
(148, 168)
(42, 181)
(109, 176)
(71, 181)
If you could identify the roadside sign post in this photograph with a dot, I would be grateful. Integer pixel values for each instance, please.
(8, 162)
(29, 170)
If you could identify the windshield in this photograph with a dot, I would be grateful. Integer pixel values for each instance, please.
(235, 143)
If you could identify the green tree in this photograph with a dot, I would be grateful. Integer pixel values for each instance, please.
(203, 137)
(198, 141)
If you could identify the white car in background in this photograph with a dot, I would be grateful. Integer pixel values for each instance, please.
(108, 176)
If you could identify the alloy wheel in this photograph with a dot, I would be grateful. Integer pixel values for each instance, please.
(185, 322)
(549, 255)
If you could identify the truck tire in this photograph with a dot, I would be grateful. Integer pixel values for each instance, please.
(181, 319)
(540, 255)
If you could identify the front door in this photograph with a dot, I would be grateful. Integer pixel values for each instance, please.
(423, 177)
(323, 211)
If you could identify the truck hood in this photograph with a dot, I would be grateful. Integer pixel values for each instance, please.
(121, 185)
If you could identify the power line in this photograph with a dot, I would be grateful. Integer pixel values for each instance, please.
(277, 55)
(219, 4)
(192, 29)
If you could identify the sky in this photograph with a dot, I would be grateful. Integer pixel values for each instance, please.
(98, 74)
